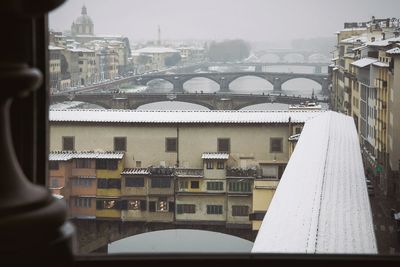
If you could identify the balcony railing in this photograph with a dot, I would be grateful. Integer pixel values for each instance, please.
(189, 172)
(241, 172)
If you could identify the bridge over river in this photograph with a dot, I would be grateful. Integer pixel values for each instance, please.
(213, 101)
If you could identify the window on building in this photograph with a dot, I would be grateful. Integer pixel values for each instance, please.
(220, 165)
(106, 164)
(119, 143)
(217, 186)
(298, 130)
(240, 211)
(105, 183)
(54, 165)
(224, 145)
(209, 164)
(106, 204)
(194, 184)
(162, 205)
(138, 164)
(240, 186)
(170, 144)
(276, 145)
(152, 206)
(134, 182)
(83, 202)
(214, 209)
(186, 208)
(55, 182)
(160, 182)
(134, 205)
(85, 182)
(183, 185)
(82, 163)
(68, 143)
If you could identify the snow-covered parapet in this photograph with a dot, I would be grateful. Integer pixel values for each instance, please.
(321, 204)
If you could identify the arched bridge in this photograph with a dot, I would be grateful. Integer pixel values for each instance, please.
(93, 234)
(224, 79)
(307, 55)
(212, 101)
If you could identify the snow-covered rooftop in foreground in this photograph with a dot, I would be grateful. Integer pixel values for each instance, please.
(180, 116)
(321, 204)
(361, 63)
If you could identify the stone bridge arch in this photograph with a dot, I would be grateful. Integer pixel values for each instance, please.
(146, 82)
(200, 103)
(230, 80)
(318, 58)
(95, 234)
(266, 58)
(207, 77)
(286, 57)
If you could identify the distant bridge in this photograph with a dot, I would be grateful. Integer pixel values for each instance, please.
(282, 53)
(212, 101)
(263, 66)
(224, 79)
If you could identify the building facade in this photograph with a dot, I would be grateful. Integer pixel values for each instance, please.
(363, 78)
(154, 172)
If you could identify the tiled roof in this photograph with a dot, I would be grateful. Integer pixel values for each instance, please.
(180, 116)
(68, 155)
(135, 171)
(215, 155)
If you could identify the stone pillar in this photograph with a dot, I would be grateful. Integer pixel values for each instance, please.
(277, 85)
(178, 85)
(318, 70)
(325, 86)
(33, 225)
(223, 85)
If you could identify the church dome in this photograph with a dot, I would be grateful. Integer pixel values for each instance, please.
(83, 24)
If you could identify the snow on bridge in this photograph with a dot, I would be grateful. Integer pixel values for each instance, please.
(321, 204)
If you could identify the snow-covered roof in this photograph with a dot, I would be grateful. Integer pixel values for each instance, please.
(381, 64)
(52, 47)
(215, 155)
(394, 51)
(81, 49)
(353, 29)
(383, 43)
(321, 204)
(355, 39)
(180, 116)
(135, 171)
(155, 50)
(68, 155)
(361, 63)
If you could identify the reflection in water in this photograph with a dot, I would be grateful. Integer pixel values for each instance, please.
(181, 241)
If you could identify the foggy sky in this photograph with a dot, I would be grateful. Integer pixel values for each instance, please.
(253, 20)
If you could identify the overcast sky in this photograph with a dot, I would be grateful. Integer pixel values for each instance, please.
(253, 20)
